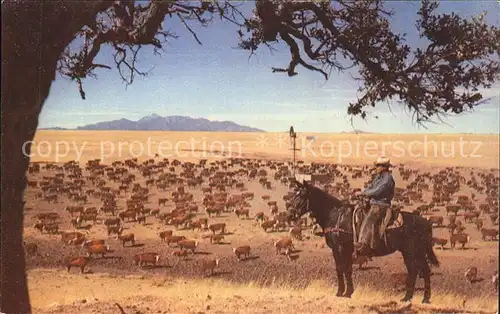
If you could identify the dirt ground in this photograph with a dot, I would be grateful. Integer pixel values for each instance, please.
(265, 283)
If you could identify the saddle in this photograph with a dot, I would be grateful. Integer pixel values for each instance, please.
(392, 222)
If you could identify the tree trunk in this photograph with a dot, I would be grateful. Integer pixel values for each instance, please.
(25, 86)
(16, 129)
(34, 35)
(29, 60)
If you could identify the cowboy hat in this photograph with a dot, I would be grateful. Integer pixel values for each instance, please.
(383, 161)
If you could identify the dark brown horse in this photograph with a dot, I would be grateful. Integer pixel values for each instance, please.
(340, 221)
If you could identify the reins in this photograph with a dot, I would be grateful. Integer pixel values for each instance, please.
(354, 221)
(335, 229)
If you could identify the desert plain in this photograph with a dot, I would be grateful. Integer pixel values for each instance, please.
(266, 282)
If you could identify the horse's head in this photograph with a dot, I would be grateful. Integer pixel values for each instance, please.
(300, 201)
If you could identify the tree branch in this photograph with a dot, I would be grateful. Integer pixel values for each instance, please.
(461, 54)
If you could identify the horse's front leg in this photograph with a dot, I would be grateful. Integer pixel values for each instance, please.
(340, 272)
(411, 266)
(347, 257)
(426, 271)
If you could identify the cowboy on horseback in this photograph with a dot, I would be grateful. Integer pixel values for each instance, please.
(340, 219)
(380, 192)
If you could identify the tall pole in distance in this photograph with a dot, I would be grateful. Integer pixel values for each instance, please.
(293, 137)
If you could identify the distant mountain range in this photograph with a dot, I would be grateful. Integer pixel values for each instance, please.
(155, 122)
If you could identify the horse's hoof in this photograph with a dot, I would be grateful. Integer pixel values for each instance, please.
(405, 299)
(426, 301)
(339, 294)
(346, 296)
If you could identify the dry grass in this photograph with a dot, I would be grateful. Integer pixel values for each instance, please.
(59, 292)
(411, 149)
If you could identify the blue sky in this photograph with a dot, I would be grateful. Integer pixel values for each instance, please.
(219, 82)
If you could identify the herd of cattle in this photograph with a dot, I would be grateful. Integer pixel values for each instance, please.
(119, 195)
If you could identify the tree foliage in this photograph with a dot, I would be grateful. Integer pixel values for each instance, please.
(444, 77)
(461, 55)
